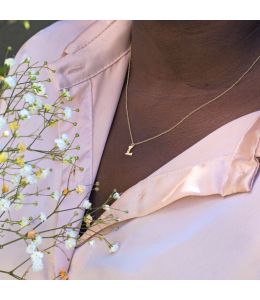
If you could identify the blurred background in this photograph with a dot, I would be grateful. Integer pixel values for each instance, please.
(15, 33)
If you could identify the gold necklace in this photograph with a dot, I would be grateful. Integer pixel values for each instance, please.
(134, 144)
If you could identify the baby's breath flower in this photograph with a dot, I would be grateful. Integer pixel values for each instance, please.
(37, 258)
(3, 157)
(15, 179)
(10, 81)
(70, 243)
(14, 126)
(21, 147)
(2, 122)
(38, 89)
(24, 222)
(37, 105)
(29, 98)
(19, 161)
(6, 133)
(92, 242)
(62, 142)
(26, 170)
(47, 107)
(4, 204)
(24, 114)
(80, 189)
(65, 94)
(31, 234)
(116, 195)
(63, 275)
(106, 207)
(9, 62)
(31, 179)
(31, 248)
(86, 204)
(113, 248)
(37, 240)
(43, 217)
(88, 219)
(33, 75)
(67, 113)
(69, 159)
(69, 232)
(42, 173)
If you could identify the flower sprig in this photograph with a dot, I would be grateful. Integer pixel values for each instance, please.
(26, 115)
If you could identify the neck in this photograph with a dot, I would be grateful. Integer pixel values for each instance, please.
(200, 54)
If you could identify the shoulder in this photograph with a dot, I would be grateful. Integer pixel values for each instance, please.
(49, 43)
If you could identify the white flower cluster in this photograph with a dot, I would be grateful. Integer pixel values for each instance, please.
(34, 102)
(71, 236)
(36, 255)
(63, 142)
(4, 204)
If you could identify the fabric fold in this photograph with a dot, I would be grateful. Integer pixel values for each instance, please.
(224, 175)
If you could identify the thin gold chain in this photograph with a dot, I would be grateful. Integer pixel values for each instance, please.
(184, 118)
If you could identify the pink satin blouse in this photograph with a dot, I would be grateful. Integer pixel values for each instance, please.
(196, 217)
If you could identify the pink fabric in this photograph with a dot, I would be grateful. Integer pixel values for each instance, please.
(212, 232)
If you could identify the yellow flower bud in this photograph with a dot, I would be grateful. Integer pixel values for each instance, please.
(65, 192)
(3, 157)
(88, 219)
(5, 188)
(19, 161)
(63, 275)
(80, 189)
(14, 126)
(21, 147)
(31, 234)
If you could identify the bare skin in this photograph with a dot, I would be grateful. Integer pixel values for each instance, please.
(175, 67)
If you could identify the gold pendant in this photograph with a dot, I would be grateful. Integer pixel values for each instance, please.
(128, 152)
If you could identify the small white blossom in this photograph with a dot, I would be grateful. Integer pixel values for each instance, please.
(106, 207)
(26, 170)
(24, 222)
(71, 233)
(62, 142)
(31, 248)
(116, 195)
(38, 89)
(36, 258)
(29, 98)
(6, 133)
(43, 217)
(114, 247)
(4, 204)
(86, 204)
(2, 122)
(37, 241)
(9, 62)
(67, 113)
(10, 81)
(15, 179)
(31, 179)
(69, 159)
(24, 114)
(70, 243)
(92, 243)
